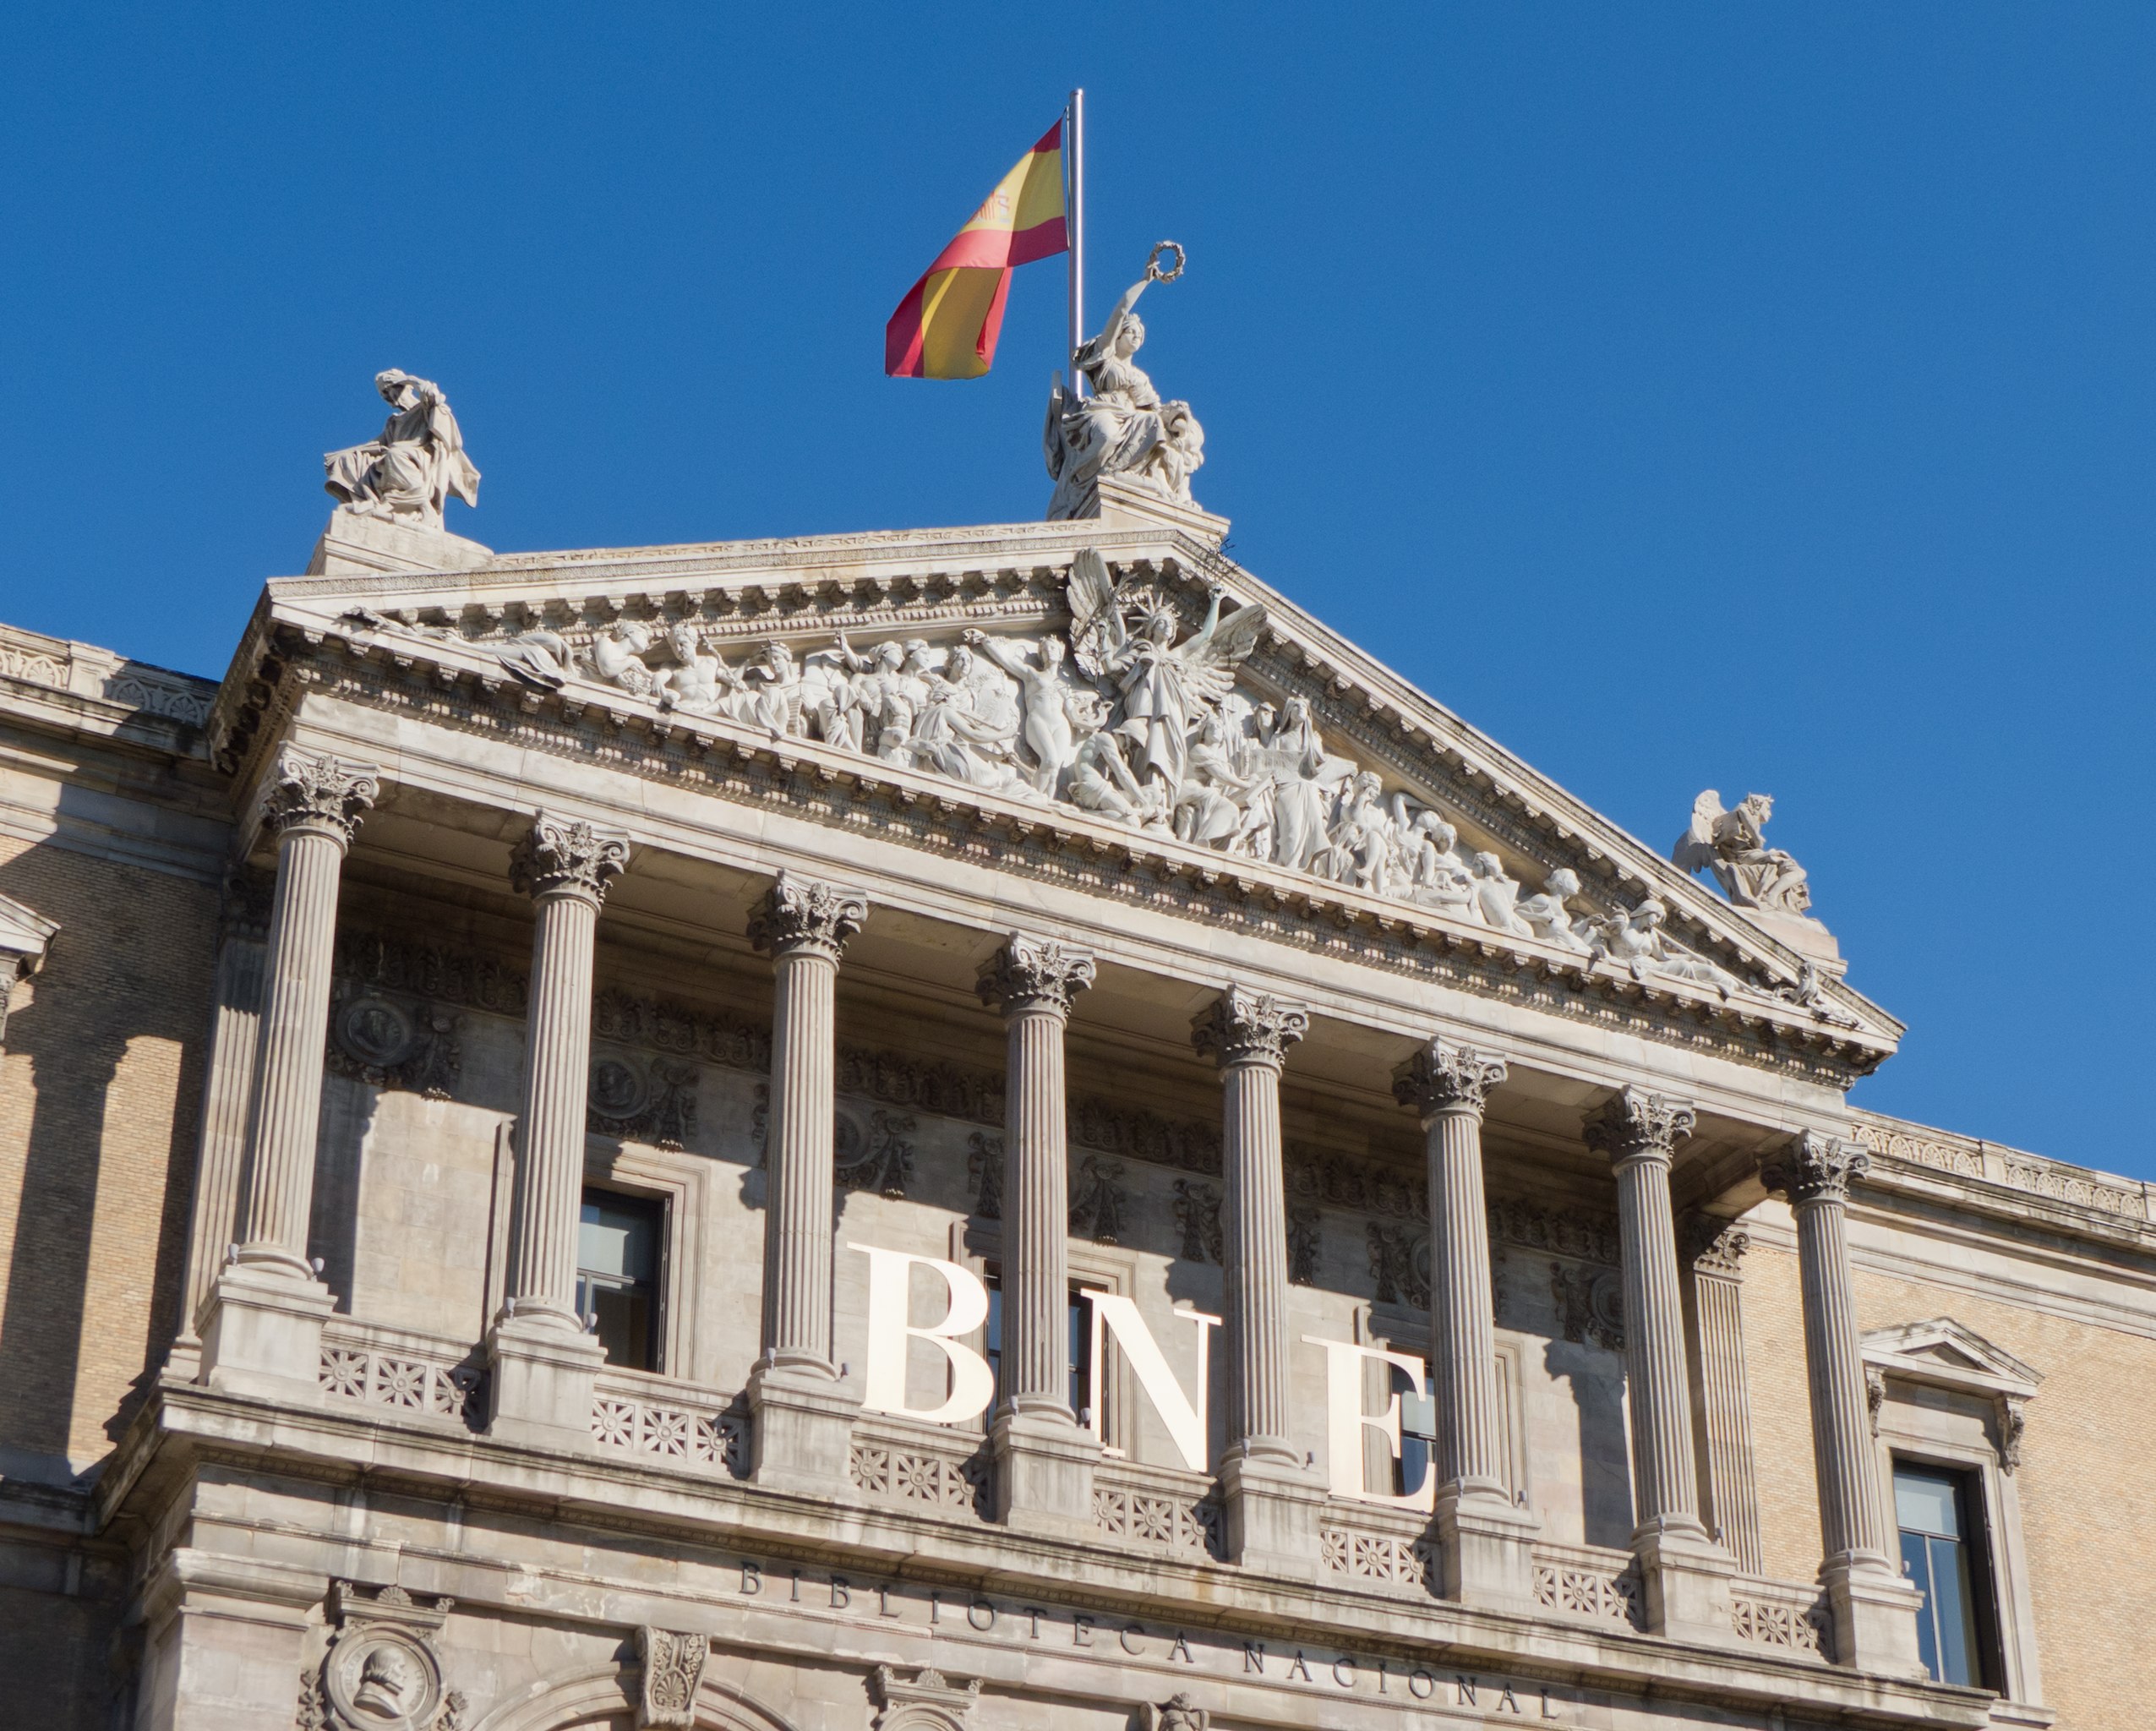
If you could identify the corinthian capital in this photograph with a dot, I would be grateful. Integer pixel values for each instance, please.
(1444, 1078)
(567, 856)
(1036, 973)
(1634, 1123)
(1244, 1027)
(309, 788)
(1816, 1168)
(801, 913)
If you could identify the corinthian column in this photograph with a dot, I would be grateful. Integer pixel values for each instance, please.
(1685, 1574)
(1272, 1504)
(1875, 1609)
(263, 1332)
(543, 1362)
(1487, 1542)
(1044, 1463)
(802, 1418)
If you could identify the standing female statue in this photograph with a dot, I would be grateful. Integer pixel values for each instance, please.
(1124, 428)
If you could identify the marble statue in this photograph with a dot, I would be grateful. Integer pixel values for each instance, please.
(1545, 913)
(417, 463)
(1123, 428)
(1636, 942)
(1733, 845)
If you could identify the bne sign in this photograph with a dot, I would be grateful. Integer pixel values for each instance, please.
(972, 1386)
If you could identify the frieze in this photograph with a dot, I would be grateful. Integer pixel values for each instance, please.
(1589, 1306)
(1399, 1266)
(876, 1156)
(984, 1173)
(1099, 1205)
(651, 1099)
(1198, 1222)
(1305, 1242)
(1695, 1011)
(393, 1043)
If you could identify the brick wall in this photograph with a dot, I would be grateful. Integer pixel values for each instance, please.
(99, 1094)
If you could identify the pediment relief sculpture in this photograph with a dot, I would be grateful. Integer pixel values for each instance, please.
(1132, 712)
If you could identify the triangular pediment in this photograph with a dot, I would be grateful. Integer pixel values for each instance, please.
(1064, 676)
(1949, 1354)
(25, 935)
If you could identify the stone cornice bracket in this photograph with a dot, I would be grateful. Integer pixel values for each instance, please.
(799, 913)
(1715, 1246)
(926, 1702)
(674, 1670)
(1247, 1027)
(1443, 1078)
(563, 857)
(318, 792)
(1816, 1168)
(1635, 1124)
(1035, 974)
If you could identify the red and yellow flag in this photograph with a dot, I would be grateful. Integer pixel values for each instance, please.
(947, 326)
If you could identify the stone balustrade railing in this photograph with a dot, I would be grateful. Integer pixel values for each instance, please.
(1159, 1508)
(921, 1466)
(1786, 1614)
(1368, 1545)
(1589, 1581)
(402, 1371)
(675, 1423)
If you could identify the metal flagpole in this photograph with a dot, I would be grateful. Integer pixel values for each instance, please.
(1074, 148)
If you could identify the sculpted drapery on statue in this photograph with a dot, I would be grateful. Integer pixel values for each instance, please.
(405, 475)
(1123, 428)
(1733, 845)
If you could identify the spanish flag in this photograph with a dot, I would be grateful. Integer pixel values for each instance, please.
(947, 326)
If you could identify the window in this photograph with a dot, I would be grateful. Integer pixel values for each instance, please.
(1945, 1558)
(617, 1275)
(1418, 1431)
(1077, 1322)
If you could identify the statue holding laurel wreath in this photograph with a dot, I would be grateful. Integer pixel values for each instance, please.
(1123, 428)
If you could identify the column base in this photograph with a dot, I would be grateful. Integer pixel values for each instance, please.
(1488, 1550)
(1686, 1580)
(542, 1378)
(1044, 1474)
(801, 1430)
(1272, 1516)
(262, 1335)
(1875, 1617)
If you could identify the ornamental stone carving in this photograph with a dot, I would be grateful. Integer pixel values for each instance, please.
(799, 914)
(1733, 845)
(1099, 1205)
(1445, 1078)
(1198, 1222)
(674, 1667)
(1246, 1027)
(1589, 1306)
(925, 1701)
(567, 856)
(1816, 1168)
(1715, 1246)
(1637, 1123)
(1177, 1713)
(381, 1672)
(407, 474)
(390, 1044)
(1036, 973)
(318, 791)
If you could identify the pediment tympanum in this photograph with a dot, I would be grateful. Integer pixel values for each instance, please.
(1157, 691)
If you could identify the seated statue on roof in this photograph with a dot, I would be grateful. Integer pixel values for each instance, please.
(405, 475)
(1123, 428)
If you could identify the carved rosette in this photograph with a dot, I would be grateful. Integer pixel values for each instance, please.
(801, 914)
(567, 856)
(1247, 1027)
(1035, 974)
(1448, 1079)
(1715, 1246)
(318, 793)
(1635, 1124)
(674, 1667)
(1816, 1168)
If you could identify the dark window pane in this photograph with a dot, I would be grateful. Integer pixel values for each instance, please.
(1916, 1565)
(1078, 1317)
(617, 1241)
(1931, 1509)
(1413, 1466)
(1956, 1616)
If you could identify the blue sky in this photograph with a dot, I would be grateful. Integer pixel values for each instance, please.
(1761, 398)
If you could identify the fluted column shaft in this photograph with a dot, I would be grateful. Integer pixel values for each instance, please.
(1721, 1398)
(565, 867)
(1249, 1033)
(1639, 1130)
(1815, 1173)
(227, 1093)
(1034, 982)
(803, 925)
(312, 807)
(1449, 1086)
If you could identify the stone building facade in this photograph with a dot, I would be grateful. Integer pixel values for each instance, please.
(562, 1165)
